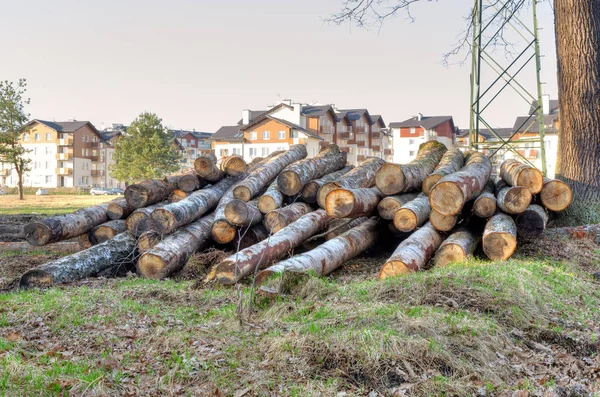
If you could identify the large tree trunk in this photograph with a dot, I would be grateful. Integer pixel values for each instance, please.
(150, 192)
(106, 231)
(500, 237)
(556, 195)
(293, 178)
(278, 219)
(388, 206)
(451, 193)
(137, 222)
(190, 182)
(512, 200)
(360, 177)
(243, 263)
(172, 252)
(458, 247)
(328, 256)
(311, 189)
(485, 204)
(119, 209)
(176, 196)
(352, 203)
(442, 223)
(241, 213)
(271, 199)
(400, 178)
(413, 253)
(119, 250)
(256, 181)
(516, 173)
(532, 222)
(412, 214)
(451, 162)
(62, 227)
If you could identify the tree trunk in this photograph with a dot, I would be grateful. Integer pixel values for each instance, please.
(190, 182)
(294, 177)
(84, 241)
(311, 189)
(485, 204)
(236, 267)
(399, 178)
(500, 237)
(352, 203)
(256, 181)
(62, 227)
(512, 200)
(176, 196)
(278, 219)
(119, 209)
(119, 250)
(388, 206)
(451, 193)
(515, 173)
(360, 177)
(207, 169)
(149, 192)
(241, 213)
(271, 199)
(328, 256)
(147, 241)
(171, 254)
(458, 247)
(532, 222)
(591, 232)
(413, 253)
(138, 222)
(412, 214)
(556, 195)
(20, 185)
(452, 161)
(106, 231)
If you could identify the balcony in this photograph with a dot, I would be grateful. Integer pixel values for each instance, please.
(362, 143)
(95, 145)
(345, 149)
(326, 129)
(65, 142)
(388, 152)
(95, 158)
(5, 172)
(361, 157)
(376, 148)
(64, 156)
(64, 171)
(376, 135)
(95, 172)
(351, 141)
(345, 135)
(361, 130)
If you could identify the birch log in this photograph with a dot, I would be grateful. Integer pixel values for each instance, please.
(442, 223)
(485, 204)
(147, 240)
(555, 195)
(311, 189)
(277, 219)
(512, 200)
(388, 206)
(451, 162)
(412, 214)
(190, 182)
(342, 225)
(294, 177)
(500, 237)
(532, 222)
(241, 213)
(271, 199)
(233, 165)
(137, 222)
(150, 192)
(176, 196)
(413, 253)
(119, 209)
(451, 193)
(207, 169)
(400, 178)
(458, 247)
(352, 203)
(236, 267)
(516, 173)
(106, 231)
(62, 227)
(82, 264)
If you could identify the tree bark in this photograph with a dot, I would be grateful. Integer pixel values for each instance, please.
(150, 192)
(342, 225)
(458, 247)
(294, 177)
(451, 193)
(515, 173)
(176, 196)
(328, 256)
(62, 227)
(234, 268)
(556, 195)
(311, 189)
(352, 203)
(106, 231)
(120, 249)
(412, 214)
(20, 184)
(532, 222)
(241, 213)
(485, 204)
(271, 199)
(119, 209)
(171, 254)
(190, 182)
(147, 240)
(207, 169)
(413, 253)
(400, 178)
(500, 237)
(360, 177)
(388, 206)
(276, 220)
(138, 222)
(512, 200)
(452, 161)
(442, 223)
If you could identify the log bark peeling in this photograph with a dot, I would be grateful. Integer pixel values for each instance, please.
(458, 247)
(451, 162)
(500, 237)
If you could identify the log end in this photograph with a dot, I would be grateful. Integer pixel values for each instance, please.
(38, 233)
(274, 221)
(188, 183)
(532, 179)
(223, 232)
(405, 220)
(101, 234)
(499, 245)
(242, 193)
(484, 207)
(203, 166)
(394, 268)
(265, 275)
(225, 273)
(449, 253)
(136, 196)
(151, 266)
(556, 195)
(339, 203)
(530, 224)
(289, 183)
(442, 223)
(389, 179)
(35, 278)
(446, 198)
(236, 212)
(310, 191)
(266, 204)
(177, 195)
(161, 221)
(430, 182)
(147, 241)
(516, 200)
(324, 191)
(235, 166)
(115, 211)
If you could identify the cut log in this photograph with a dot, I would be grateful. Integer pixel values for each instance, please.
(234, 268)
(254, 235)
(176, 196)
(512, 200)
(500, 237)
(532, 222)
(400, 178)
(352, 203)
(309, 193)
(119, 250)
(207, 169)
(84, 241)
(106, 231)
(223, 231)
(147, 241)
(360, 177)
(150, 192)
(172, 216)
(442, 223)
(271, 199)
(255, 161)
(256, 181)
(292, 179)
(413, 253)
(276, 220)
(452, 161)
(556, 195)
(458, 247)
(516, 173)
(233, 165)
(241, 213)
(340, 226)
(485, 204)
(190, 182)
(172, 252)
(328, 256)
(138, 222)
(62, 227)
(388, 206)
(119, 209)
(412, 214)
(450, 194)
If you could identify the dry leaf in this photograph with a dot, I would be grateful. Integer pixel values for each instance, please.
(13, 336)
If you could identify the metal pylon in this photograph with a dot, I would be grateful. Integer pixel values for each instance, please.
(490, 18)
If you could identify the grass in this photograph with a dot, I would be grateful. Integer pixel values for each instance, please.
(446, 332)
(48, 205)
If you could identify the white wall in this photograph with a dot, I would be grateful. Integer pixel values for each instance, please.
(405, 149)
(43, 165)
(82, 172)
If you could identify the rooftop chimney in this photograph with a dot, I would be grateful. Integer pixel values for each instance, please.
(420, 116)
(546, 104)
(245, 116)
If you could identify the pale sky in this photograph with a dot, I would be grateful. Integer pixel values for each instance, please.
(199, 63)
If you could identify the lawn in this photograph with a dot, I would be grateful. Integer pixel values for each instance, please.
(48, 205)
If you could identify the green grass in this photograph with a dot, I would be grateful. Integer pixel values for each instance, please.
(48, 205)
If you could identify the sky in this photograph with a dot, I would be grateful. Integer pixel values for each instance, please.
(198, 63)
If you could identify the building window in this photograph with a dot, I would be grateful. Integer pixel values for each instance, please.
(411, 153)
(412, 130)
(294, 134)
(253, 135)
(252, 151)
(411, 141)
(280, 147)
(266, 135)
(192, 142)
(34, 151)
(265, 151)
(236, 150)
(83, 166)
(37, 137)
(224, 152)
(36, 165)
(48, 178)
(48, 136)
(25, 137)
(48, 150)
(281, 135)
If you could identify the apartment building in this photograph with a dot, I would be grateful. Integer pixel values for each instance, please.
(103, 152)
(190, 145)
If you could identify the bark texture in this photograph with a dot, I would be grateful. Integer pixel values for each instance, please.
(150, 192)
(137, 222)
(485, 204)
(556, 195)
(207, 169)
(240, 213)
(512, 200)
(106, 231)
(458, 247)
(271, 199)
(339, 226)
(412, 214)
(276, 220)
(254, 235)
(399, 178)
(84, 241)
(500, 237)
(388, 206)
(532, 222)
(311, 189)
(442, 223)
(119, 209)
(516, 173)
(451, 162)
(352, 203)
